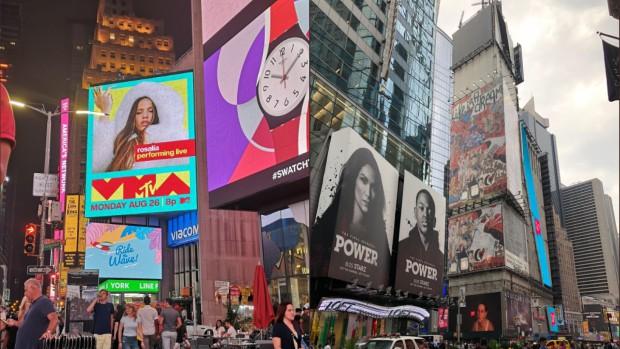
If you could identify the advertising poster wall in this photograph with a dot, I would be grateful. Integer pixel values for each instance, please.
(515, 241)
(483, 316)
(535, 211)
(256, 72)
(124, 251)
(552, 320)
(420, 259)
(141, 155)
(593, 314)
(353, 232)
(475, 240)
(477, 146)
(519, 313)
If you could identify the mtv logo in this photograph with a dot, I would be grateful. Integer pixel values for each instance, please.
(184, 200)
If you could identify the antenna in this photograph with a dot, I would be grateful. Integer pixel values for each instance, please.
(461, 20)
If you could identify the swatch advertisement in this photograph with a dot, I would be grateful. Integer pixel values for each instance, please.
(420, 259)
(537, 221)
(124, 251)
(141, 155)
(354, 230)
(256, 99)
(183, 229)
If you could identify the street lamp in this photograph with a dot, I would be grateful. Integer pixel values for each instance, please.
(49, 114)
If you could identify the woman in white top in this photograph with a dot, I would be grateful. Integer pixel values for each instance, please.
(219, 328)
(127, 331)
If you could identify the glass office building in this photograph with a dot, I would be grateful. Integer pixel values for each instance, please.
(372, 66)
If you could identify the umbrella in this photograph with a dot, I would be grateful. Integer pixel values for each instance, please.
(263, 310)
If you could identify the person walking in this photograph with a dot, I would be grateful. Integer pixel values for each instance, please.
(103, 316)
(286, 334)
(39, 322)
(147, 317)
(128, 329)
(170, 320)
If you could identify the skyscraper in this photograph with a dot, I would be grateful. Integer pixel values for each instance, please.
(590, 224)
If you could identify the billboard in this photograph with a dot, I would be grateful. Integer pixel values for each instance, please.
(64, 152)
(593, 314)
(183, 229)
(482, 317)
(140, 157)
(534, 208)
(442, 322)
(256, 82)
(478, 146)
(420, 258)
(552, 320)
(519, 312)
(353, 232)
(74, 231)
(123, 251)
(475, 240)
(515, 241)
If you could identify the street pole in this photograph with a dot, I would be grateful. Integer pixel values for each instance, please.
(46, 171)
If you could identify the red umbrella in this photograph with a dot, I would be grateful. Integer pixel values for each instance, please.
(263, 310)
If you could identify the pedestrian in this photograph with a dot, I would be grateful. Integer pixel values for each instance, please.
(103, 316)
(286, 335)
(39, 322)
(147, 318)
(170, 319)
(220, 330)
(118, 315)
(128, 329)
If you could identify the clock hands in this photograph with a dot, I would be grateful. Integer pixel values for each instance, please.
(283, 73)
(291, 66)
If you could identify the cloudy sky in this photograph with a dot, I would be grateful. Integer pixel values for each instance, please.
(564, 72)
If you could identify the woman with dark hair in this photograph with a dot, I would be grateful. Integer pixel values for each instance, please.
(286, 335)
(357, 211)
(143, 114)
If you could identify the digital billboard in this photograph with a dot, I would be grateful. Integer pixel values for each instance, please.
(420, 257)
(353, 232)
(478, 146)
(534, 208)
(74, 231)
(256, 82)
(482, 317)
(519, 313)
(442, 321)
(64, 152)
(183, 229)
(140, 156)
(123, 251)
(552, 320)
(476, 240)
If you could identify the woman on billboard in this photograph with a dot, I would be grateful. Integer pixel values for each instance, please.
(357, 210)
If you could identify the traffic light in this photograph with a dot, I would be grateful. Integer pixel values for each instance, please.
(30, 239)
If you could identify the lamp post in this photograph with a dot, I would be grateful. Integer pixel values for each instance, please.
(49, 114)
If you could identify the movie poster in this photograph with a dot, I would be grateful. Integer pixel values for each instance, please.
(352, 235)
(475, 240)
(420, 260)
(519, 312)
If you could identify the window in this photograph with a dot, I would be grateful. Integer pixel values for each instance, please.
(139, 26)
(168, 61)
(131, 39)
(123, 66)
(141, 58)
(132, 57)
(112, 55)
(166, 43)
(104, 54)
(158, 42)
(132, 67)
(123, 56)
(151, 60)
(112, 36)
(141, 69)
(160, 60)
(151, 70)
(113, 65)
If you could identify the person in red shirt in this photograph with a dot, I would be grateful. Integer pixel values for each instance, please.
(7, 131)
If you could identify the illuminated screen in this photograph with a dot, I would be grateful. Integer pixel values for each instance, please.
(141, 155)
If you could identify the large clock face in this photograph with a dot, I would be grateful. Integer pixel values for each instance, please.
(284, 80)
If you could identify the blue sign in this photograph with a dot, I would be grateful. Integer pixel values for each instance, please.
(541, 247)
(183, 229)
(552, 320)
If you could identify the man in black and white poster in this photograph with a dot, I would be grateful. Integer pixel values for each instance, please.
(420, 260)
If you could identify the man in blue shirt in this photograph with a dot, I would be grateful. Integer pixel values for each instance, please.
(103, 316)
(39, 322)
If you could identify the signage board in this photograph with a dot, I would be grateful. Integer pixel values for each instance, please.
(64, 151)
(39, 269)
(124, 251)
(44, 185)
(141, 156)
(354, 306)
(74, 231)
(183, 229)
(135, 286)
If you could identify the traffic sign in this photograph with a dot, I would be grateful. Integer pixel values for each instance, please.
(39, 269)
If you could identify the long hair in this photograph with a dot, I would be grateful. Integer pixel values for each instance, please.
(282, 311)
(124, 141)
(133, 308)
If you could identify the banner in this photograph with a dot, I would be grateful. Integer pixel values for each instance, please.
(75, 232)
(183, 229)
(537, 221)
(552, 320)
(124, 251)
(64, 151)
(515, 241)
(353, 232)
(354, 306)
(420, 258)
(519, 311)
(141, 156)
(256, 82)
(475, 240)
(612, 71)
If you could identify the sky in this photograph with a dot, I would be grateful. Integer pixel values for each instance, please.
(564, 71)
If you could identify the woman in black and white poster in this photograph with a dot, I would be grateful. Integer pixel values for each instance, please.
(358, 198)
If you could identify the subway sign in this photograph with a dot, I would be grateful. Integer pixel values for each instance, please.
(135, 286)
(183, 229)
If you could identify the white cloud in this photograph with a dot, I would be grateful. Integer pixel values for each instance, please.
(564, 71)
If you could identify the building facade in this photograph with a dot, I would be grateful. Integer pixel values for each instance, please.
(591, 227)
(442, 101)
